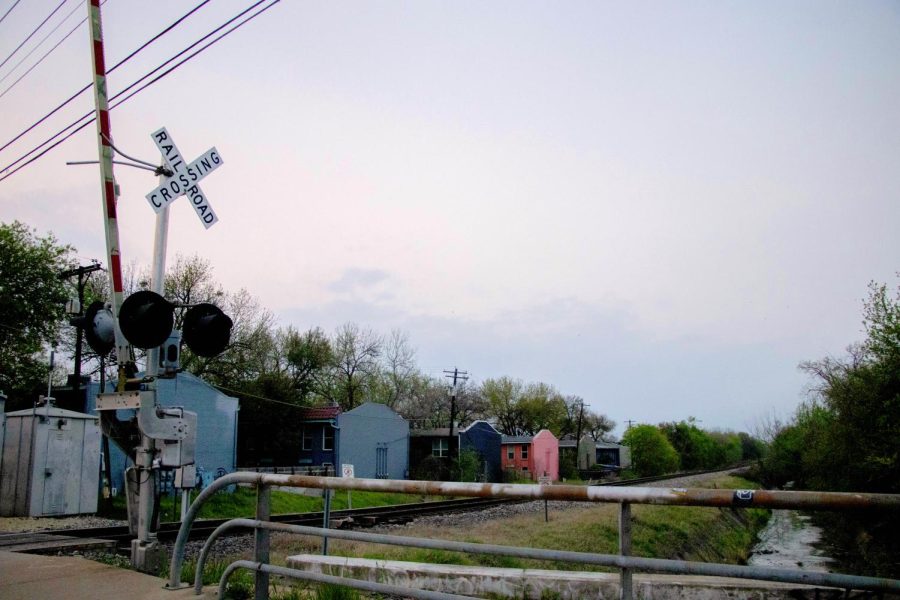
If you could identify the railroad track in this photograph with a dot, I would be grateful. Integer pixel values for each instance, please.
(360, 517)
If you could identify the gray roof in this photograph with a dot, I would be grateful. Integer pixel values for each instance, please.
(439, 432)
(516, 439)
(571, 444)
(44, 411)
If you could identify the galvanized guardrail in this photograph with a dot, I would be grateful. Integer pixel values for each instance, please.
(625, 497)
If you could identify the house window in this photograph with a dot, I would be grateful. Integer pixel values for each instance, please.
(510, 452)
(524, 450)
(328, 438)
(307, 439)
(439, 447)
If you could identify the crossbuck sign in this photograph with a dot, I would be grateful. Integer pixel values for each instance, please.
(185, 178)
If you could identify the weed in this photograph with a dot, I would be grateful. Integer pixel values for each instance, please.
(336, 592)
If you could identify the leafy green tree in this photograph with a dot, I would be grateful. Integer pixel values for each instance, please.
(752, 448)
(651, 452)
(307, 356)
(540, 407)
(502, 397)
(32, 305)
(694, 446)
(726, 448)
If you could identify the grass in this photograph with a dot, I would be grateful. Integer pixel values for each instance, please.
(242, 503)
(674, 532)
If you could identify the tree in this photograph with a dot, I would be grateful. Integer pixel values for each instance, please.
(853, 417)
(354, 361)
(540, 406)
(694, 446)
(32, 303)
(651, 452)
(308, 357)
(397, 375)
(598, 426)
(502, 398)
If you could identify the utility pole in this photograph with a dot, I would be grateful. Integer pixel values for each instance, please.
(83, 273)
(578, 436)
(457, 375)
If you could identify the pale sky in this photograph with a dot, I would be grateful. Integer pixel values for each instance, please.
(660, 207)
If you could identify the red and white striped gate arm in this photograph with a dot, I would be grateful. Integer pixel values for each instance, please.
(104, 140)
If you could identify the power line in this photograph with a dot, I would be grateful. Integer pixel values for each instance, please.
(36, 29)
(90, 116)
(191, 56)
(85, 88)
(48, 53)
(255, 397)
(6, 14)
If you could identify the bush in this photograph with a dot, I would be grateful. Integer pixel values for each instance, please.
(651, 452)
(469, 466)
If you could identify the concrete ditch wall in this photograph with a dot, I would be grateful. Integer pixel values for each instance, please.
(537, 583)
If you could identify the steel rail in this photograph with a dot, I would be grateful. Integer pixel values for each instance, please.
(658, 565)
(624, 496)
(169, 530)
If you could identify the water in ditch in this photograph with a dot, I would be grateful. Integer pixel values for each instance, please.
(791, 541)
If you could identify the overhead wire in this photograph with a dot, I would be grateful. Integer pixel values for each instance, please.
(30, 35)
(85, 88)
(243, 394)
(38, 45)
(6, 14)
(80, 123)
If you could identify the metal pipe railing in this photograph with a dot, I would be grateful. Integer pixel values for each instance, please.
(656, 565)
(623, 496)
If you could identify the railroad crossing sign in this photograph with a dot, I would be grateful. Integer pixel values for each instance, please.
(185, 178)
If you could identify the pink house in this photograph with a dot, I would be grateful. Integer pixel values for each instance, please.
(532, 457)
(545, 449)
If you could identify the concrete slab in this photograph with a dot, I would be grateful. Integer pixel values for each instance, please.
(43, 543)
(538, 583)
(30, 576)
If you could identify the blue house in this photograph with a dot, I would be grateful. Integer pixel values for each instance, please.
(484, 440)
(431, 450)
(375, 440)
(319, 438)
(217, 416)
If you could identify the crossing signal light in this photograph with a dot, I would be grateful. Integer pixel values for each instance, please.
(206, 330)
(146, 319)
(99, 327)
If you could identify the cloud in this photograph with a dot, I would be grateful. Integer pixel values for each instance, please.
(358, 280)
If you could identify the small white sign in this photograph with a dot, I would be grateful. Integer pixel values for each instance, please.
(347, 471)
(185, 178)
(545, 480)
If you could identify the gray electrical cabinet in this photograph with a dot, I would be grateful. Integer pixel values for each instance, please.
(50, 463)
